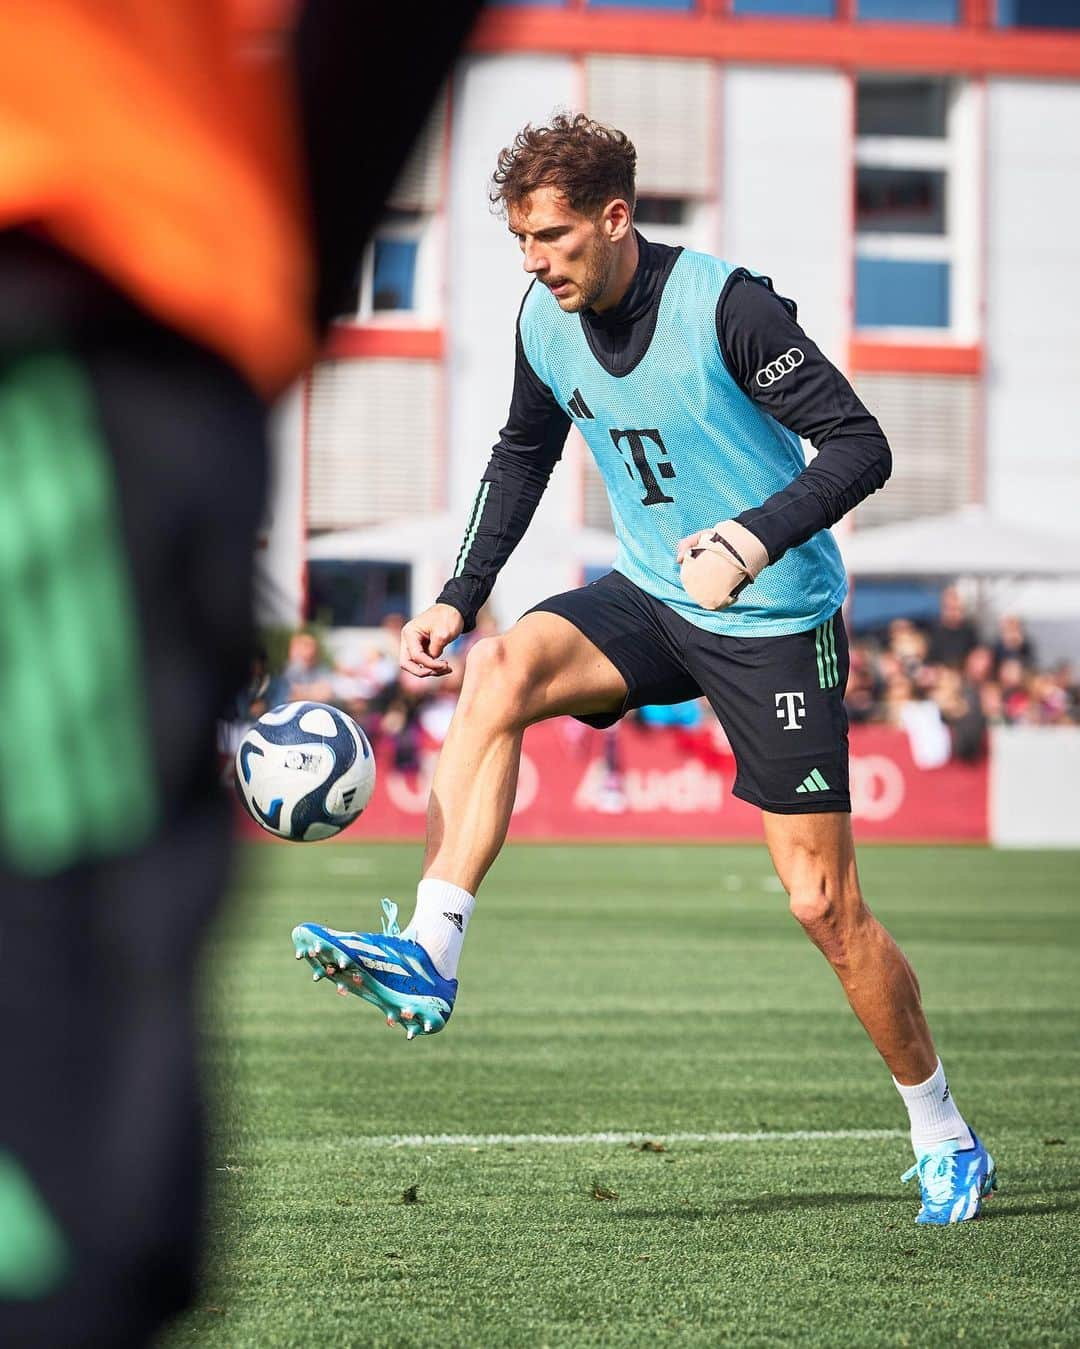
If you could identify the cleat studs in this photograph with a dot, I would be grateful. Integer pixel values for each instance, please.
(343, 990)
(317, 976)
(391, 1020)
(407, 1014)
(410, 1034)
(357, 978)
(300, 955)
(342, 962)
(429, 1026)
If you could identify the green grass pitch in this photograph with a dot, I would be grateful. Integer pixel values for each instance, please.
(663, 990)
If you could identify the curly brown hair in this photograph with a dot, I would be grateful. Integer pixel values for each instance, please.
(588, 163)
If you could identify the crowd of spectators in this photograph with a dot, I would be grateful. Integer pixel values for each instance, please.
(947, 683)
(392, 705)
(944, 684)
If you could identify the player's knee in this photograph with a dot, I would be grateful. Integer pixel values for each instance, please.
(828, 910)
(812, 905)
(496, 682)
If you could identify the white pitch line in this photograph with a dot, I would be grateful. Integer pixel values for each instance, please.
(575, 1140)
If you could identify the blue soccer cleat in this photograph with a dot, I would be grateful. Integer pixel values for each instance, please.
(953, 1182)
(395, 974)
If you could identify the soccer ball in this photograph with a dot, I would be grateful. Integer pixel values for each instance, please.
(304, 771)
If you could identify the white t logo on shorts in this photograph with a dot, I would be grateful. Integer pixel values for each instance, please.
(791, 708)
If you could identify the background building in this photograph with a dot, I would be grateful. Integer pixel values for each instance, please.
(907, 170)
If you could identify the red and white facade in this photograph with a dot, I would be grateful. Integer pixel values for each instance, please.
(749, 125)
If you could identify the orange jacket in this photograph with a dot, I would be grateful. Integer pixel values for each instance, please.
(156, 140)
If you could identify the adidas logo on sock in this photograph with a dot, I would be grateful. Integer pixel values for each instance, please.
(813, 782)
(454, 918)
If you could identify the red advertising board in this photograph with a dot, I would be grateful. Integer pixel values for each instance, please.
(576, 783)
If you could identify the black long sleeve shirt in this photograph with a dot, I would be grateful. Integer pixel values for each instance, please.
(754, 326)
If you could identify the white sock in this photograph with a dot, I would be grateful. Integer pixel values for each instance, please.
(933, 1113)
(439, 923)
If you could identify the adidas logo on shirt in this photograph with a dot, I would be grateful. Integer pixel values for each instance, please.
(577, 407)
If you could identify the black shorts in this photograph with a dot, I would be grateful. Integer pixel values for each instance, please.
(779, 699)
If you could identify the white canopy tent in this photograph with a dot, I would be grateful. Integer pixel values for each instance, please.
(1006, 567)
(437, 538)
(970, 543)
(546, 561)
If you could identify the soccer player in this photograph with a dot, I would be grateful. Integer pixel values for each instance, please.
(691, 381)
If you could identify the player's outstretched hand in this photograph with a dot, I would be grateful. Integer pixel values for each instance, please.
(719, 563)
(426, 637)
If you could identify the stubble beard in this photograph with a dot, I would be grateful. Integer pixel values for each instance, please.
(598, 268)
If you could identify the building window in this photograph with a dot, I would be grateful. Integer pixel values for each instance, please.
(349, 594)
(660, 211)
(798, 9)
(356, 409)
(398, 281)
(910, 11)
(916, 208)
(905, 107)
(931, 422)
(662, 103)
(899, 201)
(893, 292)
(398, 277)
(393, 274)
(1038, 13)
(679, 221)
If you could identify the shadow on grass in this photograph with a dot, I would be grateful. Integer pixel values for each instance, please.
(998, 1210)
(765, 1203)
(995, 1210)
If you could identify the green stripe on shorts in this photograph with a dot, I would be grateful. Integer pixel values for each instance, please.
(830, 654)
(76, 778)
(825, 648)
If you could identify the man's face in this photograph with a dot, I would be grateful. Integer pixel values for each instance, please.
(304, 650)
(569, 253)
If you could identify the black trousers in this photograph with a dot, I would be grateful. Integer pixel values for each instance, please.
(132, 465)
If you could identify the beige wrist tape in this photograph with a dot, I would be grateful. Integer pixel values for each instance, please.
(722, 565)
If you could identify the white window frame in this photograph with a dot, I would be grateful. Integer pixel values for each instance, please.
(426, 231)
(957, 154)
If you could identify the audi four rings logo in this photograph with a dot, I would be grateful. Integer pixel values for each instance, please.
(783, 365)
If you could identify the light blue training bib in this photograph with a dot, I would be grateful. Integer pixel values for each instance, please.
(680, 447)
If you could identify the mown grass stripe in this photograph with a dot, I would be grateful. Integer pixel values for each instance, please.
(474, 525)
(619, 1137)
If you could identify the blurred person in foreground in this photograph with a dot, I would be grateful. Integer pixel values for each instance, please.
(182, 201)
(617, 333)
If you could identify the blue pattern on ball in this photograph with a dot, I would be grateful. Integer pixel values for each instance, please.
(311, 808)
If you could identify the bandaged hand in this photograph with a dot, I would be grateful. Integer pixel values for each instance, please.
(718, 564)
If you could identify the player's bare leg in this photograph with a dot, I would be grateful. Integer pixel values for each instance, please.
(814, 856)
(543, 667)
